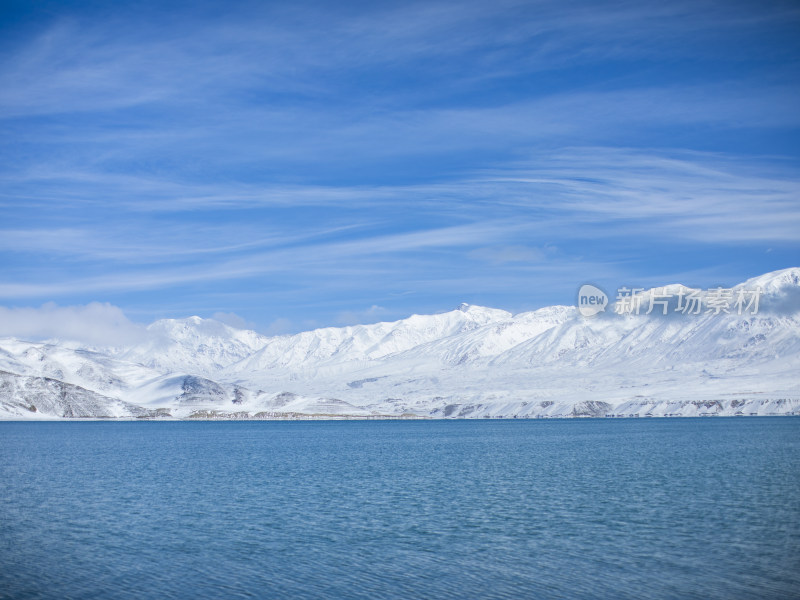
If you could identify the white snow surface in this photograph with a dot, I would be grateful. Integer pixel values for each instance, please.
(471, 362)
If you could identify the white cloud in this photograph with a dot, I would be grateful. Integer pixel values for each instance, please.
(96, 324)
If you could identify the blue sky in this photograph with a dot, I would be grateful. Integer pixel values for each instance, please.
(291, 165)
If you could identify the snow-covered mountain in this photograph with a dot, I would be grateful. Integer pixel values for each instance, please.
(469, 362)
(194, 344)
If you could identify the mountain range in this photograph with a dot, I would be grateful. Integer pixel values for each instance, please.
(470, 362)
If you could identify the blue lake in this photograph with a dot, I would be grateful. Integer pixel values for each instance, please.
(659, 508)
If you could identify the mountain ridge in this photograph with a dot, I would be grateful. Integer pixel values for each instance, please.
(468, 362)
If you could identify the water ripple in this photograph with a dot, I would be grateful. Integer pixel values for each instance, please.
(579, 509)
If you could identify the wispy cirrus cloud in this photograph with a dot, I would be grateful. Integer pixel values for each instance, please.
(325, 158)
(77, 62)
(578, 194)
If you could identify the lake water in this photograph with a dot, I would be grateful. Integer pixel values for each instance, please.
(660, 508)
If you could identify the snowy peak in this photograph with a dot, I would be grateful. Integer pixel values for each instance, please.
(784, 280)
(193, 344)
(482, 314)
(195, 328)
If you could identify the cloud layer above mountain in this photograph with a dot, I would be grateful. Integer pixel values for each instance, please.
(94, 324)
